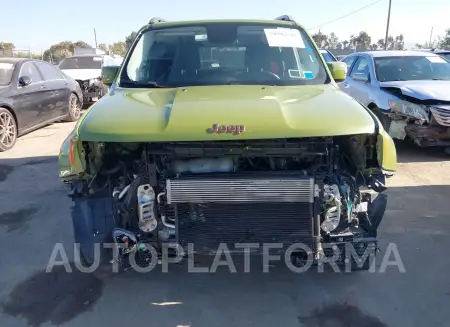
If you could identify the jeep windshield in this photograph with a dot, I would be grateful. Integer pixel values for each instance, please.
(223, 54)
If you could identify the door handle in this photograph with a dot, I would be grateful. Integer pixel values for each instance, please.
(43, 87)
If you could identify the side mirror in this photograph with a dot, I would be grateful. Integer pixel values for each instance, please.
(338, 70)
(109, 74)
(24, 80)
(360, 77)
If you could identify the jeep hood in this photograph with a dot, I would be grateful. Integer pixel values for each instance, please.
(422, 90)
(185, 114)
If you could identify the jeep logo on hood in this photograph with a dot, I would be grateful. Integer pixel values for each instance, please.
(231, 129)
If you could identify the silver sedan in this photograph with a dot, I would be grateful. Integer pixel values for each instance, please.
(409, 91)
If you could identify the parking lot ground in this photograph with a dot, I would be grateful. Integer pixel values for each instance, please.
(35, 215)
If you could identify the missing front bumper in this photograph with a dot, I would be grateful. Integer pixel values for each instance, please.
(429, 135)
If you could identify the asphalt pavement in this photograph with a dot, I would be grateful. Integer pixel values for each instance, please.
(35, 215)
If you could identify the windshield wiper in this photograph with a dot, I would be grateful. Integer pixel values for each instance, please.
(150, 84)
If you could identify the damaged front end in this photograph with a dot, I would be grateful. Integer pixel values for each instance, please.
(324, 192)
(426, 122)
(92, 89)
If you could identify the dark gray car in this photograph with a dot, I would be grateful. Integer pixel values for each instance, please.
(34, 93)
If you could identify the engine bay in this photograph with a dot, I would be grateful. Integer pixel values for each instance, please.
(258, 191)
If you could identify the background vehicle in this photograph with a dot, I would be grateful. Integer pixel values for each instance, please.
(260, 147)
(327, 55)
(407, 90)
(443, 53)
(34, 93)
(86, 69)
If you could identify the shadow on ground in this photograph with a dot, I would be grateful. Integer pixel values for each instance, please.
(7, 166)
(407, 151)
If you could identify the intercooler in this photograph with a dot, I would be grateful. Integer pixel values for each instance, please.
(254, 208)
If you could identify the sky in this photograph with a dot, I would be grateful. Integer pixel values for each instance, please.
(39, 24)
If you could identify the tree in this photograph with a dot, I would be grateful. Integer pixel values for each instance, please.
(81, 44)
(362, 41)
(129, 40)
(399, 43)
(352, 42)
(345, 44)
(373, 46)
(333, 40)
(321, 40)
(119, 48)
(393, 43)
(6, 48)
(103, 47)
(61, 50)
(444, 42)
(380, 43)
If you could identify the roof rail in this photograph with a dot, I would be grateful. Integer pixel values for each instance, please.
(156, 20)
(286, 18)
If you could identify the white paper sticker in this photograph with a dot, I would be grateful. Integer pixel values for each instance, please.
(97, 58)
(6, 65)
(284, 37)
(201, 37)
(436, 59)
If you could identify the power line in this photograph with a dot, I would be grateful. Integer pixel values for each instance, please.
(346, 15)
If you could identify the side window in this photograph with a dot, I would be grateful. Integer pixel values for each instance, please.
(30, 70)
(361, 69)
(49, 72)
(349, 61)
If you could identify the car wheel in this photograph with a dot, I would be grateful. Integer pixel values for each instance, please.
(74, 108)
(8, 130)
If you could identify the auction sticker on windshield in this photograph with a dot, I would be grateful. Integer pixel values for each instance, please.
(284, 37)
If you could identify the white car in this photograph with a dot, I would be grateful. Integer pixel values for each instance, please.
(86, 70)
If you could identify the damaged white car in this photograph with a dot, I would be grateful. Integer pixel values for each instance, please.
(408, 90)
(86, 70)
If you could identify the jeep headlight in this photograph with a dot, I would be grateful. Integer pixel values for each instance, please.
(332, 216)
(332, 219)
(409, 109)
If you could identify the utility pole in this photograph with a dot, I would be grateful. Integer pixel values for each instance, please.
(431, 35)
(95, 36)
(387, 26)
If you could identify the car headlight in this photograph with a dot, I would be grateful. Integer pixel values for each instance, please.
(409, 109)
(332, 219)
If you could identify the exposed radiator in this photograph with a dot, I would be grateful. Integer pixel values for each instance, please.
(207, 225)
(249, 208)
(246, 189)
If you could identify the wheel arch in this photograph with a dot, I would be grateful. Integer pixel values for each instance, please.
(13, 113)
(75, 93)
(372, 106)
